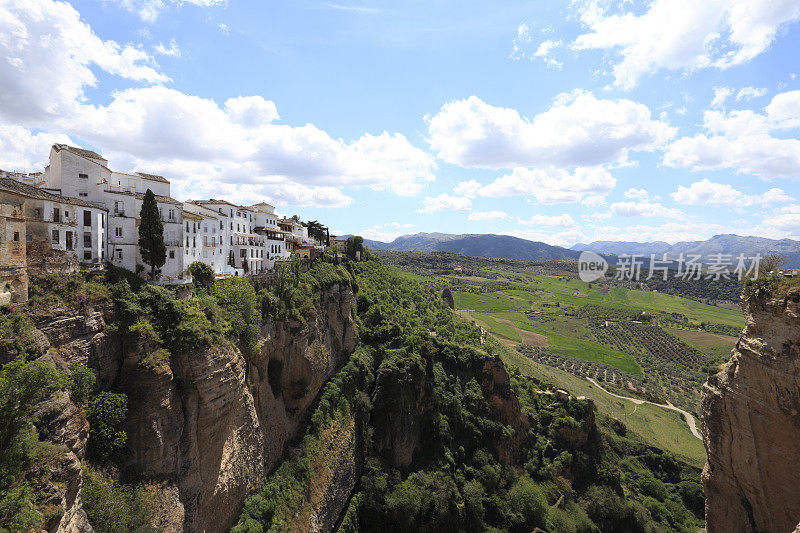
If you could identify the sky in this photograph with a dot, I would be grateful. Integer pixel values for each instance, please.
(556, 121)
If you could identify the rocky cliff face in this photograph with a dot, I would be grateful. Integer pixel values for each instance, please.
(203, 424)
(751, 417)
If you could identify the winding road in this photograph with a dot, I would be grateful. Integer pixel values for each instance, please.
(690, 420)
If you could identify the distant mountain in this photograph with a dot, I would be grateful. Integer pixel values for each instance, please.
(623, 247)
(718, 244)
(483, 245)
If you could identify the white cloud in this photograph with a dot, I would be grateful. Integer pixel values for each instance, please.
(444, 202)
(49, 54)
(579, 129)
(25, 151)
(487, 215)
(552, 185)
(706, 192)
(523, 37)
(670, 232)
(149, 10)
(172, 51)
(748, 93)
(544, 51)
(644, 208)
(720, 95)
(684, 35)
(636, 194)
(567, 237)
(557, 221)
(467, 188)
(385, 232)
(224, 28)
(743, 140)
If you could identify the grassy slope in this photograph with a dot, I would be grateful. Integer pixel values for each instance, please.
(659, 427)
(707, 343)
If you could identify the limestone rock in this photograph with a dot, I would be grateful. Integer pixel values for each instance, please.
(751, 419)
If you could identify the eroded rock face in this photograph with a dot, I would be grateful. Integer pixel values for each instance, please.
(294, 362)
(200, 422)
(751, 418)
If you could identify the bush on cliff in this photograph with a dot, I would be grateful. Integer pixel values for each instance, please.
(22, 385)
(106, 413)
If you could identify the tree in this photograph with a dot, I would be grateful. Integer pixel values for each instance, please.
(151, 234)
(354, 244)
(106, 413)
(202, 274)
(771, 263)
(316, 230)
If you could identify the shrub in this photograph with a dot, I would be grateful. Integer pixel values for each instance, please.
(202, 275)
(81, 383)
(115, 508)
(106, 413)
(527, 502)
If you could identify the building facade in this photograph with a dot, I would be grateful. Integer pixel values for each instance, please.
(79, 213)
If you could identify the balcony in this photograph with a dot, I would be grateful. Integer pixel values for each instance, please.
(172, 242)
(119, 212)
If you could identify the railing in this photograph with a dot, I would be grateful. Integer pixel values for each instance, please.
(172, 242)
(120, 213)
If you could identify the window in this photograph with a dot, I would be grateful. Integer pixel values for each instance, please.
(37, 212)
(172, 254)
(66, 214)
(243, 253)
(117, 232)
(161, 213)
(83, 194)
(83, 176)
(16, 236)
(187, 227)
(87, 239)
(55, 236)
(119, 255)
(187, 245)
(102, 220)
(28, 238)
(87, 218)
(87, 255)
(171, 214)
(221, 226)
(56, 215)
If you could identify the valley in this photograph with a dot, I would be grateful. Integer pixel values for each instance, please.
(634, 342)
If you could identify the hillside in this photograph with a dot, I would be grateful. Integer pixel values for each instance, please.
(724, 244)
(347, 397)
(476, 245)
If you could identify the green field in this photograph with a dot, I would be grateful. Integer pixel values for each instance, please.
(659, 427)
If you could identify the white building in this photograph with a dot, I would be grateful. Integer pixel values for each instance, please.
(207, 235)
(266, 225)
(84, 174)
(94, 214)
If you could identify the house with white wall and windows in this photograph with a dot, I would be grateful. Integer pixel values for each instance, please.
(79, 213)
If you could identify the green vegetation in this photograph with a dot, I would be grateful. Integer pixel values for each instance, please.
(421, 371)
(202, 275)
(23, 457)
(81, 383)
(151, 234)
(115, 508)
(106, 413)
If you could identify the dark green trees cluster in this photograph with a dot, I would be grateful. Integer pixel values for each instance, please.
(420, 368)
(151, 234)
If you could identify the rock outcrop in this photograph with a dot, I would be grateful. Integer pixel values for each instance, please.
(751, 418)
(204, 423)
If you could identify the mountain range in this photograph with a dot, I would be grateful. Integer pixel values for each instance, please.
(505, 246)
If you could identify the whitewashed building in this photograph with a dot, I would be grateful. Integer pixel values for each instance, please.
(84, 174)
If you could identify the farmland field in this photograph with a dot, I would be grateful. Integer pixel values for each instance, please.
(638, 343)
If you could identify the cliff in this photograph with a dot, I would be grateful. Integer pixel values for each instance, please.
(751, 418)
(202, 423)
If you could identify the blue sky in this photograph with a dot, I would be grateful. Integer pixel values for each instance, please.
(554, 121)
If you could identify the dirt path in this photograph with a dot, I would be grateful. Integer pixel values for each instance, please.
(690, 420)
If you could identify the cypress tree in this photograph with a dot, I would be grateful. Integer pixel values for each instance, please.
(151, 234)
